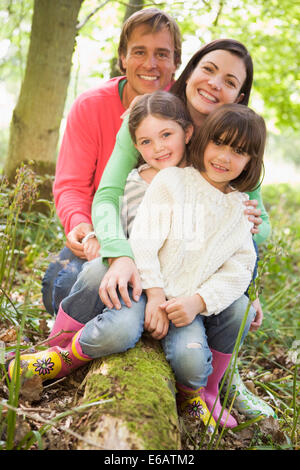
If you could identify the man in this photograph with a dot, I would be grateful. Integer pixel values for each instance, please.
(149, 54)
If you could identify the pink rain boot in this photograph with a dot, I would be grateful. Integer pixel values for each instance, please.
(220, 362)
(54, 362)
(63, 322)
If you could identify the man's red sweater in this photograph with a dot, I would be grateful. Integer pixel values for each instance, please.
(88, 142)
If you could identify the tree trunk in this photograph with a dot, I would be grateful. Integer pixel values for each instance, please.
(34, 129)
(142, 414)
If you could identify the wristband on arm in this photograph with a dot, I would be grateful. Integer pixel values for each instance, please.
(88, 236)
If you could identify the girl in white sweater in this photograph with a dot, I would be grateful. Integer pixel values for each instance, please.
(192, 243)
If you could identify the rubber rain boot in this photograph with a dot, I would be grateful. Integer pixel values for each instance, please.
(53, 363)
(69, 326)
(245, 402)
(220, 362)
(193, 402)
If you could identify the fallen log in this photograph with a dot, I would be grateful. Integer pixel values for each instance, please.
(141, 414)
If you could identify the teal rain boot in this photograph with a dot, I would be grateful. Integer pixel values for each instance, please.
(246, 402)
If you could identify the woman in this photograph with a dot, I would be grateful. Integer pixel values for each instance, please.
(220, 72)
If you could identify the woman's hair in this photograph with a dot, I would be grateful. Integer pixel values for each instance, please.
(230, 45)
(155, 20)
(160, 104)
(239, 127)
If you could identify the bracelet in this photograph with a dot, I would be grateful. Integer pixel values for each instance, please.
(88, 236)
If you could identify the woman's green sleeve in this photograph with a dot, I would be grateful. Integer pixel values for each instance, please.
(107, 201)
(264, 227)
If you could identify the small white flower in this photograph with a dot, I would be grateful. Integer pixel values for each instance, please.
(294, 352)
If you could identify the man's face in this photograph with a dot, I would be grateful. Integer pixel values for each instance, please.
(149, 61)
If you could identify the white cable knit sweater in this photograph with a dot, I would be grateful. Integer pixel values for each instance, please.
(188, 237)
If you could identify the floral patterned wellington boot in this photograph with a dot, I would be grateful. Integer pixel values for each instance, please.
(54, 362)
(245, 402)
(193, 402)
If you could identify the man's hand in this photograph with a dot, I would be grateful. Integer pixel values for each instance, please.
(75, 236)
(122, 272)
(156, 319)
(182, 311)
(253, 214)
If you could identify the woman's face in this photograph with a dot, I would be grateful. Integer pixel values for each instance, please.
(216, 80)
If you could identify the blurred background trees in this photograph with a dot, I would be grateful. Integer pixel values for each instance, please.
(52, 50)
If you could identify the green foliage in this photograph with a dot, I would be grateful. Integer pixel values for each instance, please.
(284, 147)
(12, 202)
(15, 21)
(269, 28)
(276, 340)
(271, 31)
(280, 268)
(25, 237)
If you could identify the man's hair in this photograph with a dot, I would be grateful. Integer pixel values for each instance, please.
(238, 126)
(155, 20)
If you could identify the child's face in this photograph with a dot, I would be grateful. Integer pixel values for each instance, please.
(223, 164)
(161, 142)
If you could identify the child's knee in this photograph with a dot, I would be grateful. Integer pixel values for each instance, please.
(192, 365)
(103, 336)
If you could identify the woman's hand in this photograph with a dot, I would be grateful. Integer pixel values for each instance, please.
(156, 319)
(181, 311)
(122, 272)
(256, 323)
(253, 214)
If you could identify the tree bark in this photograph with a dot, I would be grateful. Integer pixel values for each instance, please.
(34, 129)
(141, 414)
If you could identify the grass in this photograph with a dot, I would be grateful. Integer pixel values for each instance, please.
(269, 358)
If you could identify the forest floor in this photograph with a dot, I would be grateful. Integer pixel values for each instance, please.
(46, 405)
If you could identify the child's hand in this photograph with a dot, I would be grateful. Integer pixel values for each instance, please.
(91, 249)
(156, 319)
(183, 310)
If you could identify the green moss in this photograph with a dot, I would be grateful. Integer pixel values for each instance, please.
(141, 383)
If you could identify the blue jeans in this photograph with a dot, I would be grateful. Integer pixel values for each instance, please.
(83, 302)
(59, 279)
(114, 331)
(188, 348)
(106, 331)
